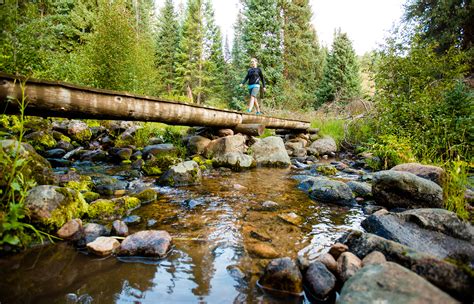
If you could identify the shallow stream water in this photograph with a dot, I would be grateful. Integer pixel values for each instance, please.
(214, 227)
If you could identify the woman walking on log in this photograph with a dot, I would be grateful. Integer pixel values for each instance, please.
(254, 75)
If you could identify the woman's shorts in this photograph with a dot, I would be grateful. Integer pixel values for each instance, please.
(254, 91)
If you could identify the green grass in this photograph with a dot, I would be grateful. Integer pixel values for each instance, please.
(331, 127)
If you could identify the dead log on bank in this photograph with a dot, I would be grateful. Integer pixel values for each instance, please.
(250, 129)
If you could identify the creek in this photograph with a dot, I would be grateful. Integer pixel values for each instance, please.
(214, 226)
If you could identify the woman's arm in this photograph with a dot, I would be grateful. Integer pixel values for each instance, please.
(261, 77)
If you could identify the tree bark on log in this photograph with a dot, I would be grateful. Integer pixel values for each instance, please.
(250, 129)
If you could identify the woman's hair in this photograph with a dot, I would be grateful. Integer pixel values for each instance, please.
(254, 59)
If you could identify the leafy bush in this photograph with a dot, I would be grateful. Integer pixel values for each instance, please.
(390, 151)
(455, 186)
(330, 126)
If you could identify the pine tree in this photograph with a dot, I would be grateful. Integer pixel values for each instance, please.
(166, 47)
(238, 66)
(341, 80)
(302, 55)
(261, 38)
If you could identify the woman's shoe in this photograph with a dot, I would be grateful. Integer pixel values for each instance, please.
(259, 113)
(249, 111)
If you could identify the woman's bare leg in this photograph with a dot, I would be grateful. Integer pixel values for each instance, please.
(257, 106)
(251, 103)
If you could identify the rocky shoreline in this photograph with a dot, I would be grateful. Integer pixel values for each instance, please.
(412, 250)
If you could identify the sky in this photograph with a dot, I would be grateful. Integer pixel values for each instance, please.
(366, 22)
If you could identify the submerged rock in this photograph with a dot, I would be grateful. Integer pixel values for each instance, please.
(391, 283)
(270, 152)
(282, 275)
(393, 189)
(262, 250)
(148, 243)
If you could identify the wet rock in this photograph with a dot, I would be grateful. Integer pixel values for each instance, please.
(237, 161)
(183, 174)
(303, 263)
(444, 275)
(64, 145)
(262, 250)
(92, 231)
(266, 206)
(236, 273)
(390, 283)
(71, 231)
(393, 189)
(119, 154)
(223, 145)
(160, 149)
(347, 265)
(438, 232)
(370, 209)
(329, 261)
(326, 170)
(432, 173)
(38, 168)
(282, 275)
(148, 243)
(270, 152)
(239, 187)
(197, 144)
(54, 153)
(375, 257)
(119, 228)
(360, 189)
(151, 222)
(106, 185)
(59, 163)
(326, 190)
(157, 164)
(94, 156)
(132, 219)
(319, 281)
(323, 146)
(291, 218)
(103, 246)
(147, 196)
(54, 206)
(79, 131)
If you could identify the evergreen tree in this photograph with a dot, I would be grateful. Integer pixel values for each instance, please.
(166, 47)
(237, 67)
(302, 55)
(213, 53)
(261, 38)
(341, 80)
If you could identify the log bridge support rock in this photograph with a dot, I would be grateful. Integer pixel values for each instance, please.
(60, 99)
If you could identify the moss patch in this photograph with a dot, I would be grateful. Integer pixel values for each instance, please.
(327, 170)
(91, 196)
(160, 163)
(112, 209)
(84, 184)
(74, 206)
(147, 195)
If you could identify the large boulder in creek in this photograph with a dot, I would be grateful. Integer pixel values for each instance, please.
(41, 140)
(36, 167)
(223, 145)
(391, 283)
(183, 174)
(54, 206)
(433, 173)
(394, 189)
(457, 281)
(319, 281)
(326, 190)
(237, 161)
(282, 275)
(159, 149)
(79, 131)
(270, 152)
(360, 189)
(149, 243)
(197, 144)
(438, 232)
(323, 146)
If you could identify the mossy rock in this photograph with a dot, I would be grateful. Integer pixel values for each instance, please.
(11, 123)
(84, 184)
(60, 136)
(91, 196)
(53, 206)
(158, 164)
(105, 209)
(41, 140)
(36, 167)
(204, 163)
(327, 170)
(147, 195)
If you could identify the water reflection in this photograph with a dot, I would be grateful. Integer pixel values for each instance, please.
(213, 225)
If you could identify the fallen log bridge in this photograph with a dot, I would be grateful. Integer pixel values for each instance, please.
(60, 99)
